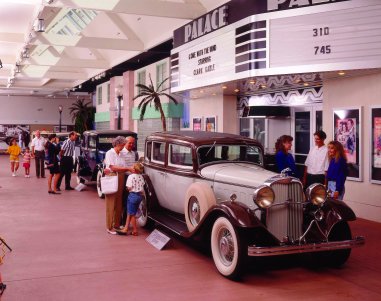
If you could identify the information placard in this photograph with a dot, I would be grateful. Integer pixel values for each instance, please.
(158, 239)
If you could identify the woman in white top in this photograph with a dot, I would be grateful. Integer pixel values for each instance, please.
(115, 163)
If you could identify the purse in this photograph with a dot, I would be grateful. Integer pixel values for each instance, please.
(109, 184)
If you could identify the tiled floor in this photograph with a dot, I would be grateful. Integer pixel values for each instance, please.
(61, 251)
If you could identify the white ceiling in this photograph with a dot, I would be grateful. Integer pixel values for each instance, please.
(60, 60)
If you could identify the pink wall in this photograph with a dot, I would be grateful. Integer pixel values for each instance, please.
(127, 80)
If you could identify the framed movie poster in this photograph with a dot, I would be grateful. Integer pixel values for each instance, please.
(347, 130)
(210, 124)
(375, 158)
(197, 124)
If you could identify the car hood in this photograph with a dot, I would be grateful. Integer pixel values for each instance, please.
(237, 173)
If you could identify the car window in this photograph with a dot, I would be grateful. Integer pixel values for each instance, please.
(214, 153)
(148, 150)
(180, 156)
(92, 142)
(158, 152)
(84, 141)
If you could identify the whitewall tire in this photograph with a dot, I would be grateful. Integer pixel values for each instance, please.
(227, 249)
(99, 187)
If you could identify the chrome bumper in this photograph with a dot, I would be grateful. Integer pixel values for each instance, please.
(306, 248)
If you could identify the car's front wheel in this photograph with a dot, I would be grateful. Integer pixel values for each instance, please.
(227, 248)
(99, 187)
(339, 232)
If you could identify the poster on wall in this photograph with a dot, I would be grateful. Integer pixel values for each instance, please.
(375, 161)
(19, 131)
(347, 129)
(197, 124)
(210, 124)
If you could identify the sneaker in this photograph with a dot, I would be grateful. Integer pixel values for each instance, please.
(112, 232)
(13, 174)
(26, 176)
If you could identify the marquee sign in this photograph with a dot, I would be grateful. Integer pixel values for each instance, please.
(282, 37)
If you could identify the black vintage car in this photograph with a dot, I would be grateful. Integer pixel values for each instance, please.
(94, 146)
(214, 186)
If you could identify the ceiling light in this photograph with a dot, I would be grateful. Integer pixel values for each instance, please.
(40, 25)
(25, 53)
(252, 82)
(17, 68)
(341, 73)
(224, 87)
(236, 90)
(306, 84)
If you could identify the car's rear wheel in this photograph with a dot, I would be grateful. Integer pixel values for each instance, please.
(198, 199)
(227, 248)
(99, 187)
(143, 220)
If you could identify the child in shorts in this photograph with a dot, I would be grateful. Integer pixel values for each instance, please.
(14, 151)
(26, 162)
(135, 186)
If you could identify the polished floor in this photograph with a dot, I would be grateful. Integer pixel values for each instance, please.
(61, 251)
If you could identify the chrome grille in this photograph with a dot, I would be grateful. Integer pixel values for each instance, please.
(286, 217)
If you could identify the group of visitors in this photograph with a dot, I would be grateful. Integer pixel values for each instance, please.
(325, 165)
(121, 207)
(59, 159)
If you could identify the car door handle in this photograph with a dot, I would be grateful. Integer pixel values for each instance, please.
(162, 173)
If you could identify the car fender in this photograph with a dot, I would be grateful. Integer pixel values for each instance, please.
(238, 214)
(336, 211)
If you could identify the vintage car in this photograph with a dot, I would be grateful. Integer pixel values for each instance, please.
(214, 186)
(94, 145)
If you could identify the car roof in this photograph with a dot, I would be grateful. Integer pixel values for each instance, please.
(200, 137)
(110, 132)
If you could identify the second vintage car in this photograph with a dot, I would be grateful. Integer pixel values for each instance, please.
(215, 186)
(94, 145)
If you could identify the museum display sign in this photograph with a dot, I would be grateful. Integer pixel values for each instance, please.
(375, 156)
(244, 38)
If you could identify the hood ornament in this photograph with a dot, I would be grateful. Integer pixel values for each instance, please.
(284, 172)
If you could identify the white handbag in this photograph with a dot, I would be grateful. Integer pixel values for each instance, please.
(109, 184)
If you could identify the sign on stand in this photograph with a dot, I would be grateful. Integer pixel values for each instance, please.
(158, 239)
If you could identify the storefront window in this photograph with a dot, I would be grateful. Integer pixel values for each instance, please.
(302, 132)
(244, 128)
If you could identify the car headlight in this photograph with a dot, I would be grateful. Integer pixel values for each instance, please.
(316, 194)
(264, 196)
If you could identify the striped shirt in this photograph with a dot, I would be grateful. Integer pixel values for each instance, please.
(68, 148)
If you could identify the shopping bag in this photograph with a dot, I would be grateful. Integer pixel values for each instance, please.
(79, 187)
(109, 184)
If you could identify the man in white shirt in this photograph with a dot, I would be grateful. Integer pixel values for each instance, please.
(130, 157)
(38, 153)
(316, 162)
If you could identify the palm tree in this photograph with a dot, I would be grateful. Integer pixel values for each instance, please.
(149, 95)
(82, 114)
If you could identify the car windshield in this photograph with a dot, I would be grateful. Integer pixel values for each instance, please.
(216, 153)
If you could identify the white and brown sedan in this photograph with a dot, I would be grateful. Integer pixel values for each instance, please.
(214, 185)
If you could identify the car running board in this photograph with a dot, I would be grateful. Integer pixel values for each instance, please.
(170, 222)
